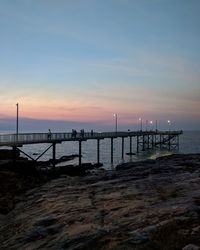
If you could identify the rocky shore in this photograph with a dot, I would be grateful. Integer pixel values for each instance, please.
(153, 204)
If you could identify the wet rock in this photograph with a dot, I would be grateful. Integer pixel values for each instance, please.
(63, 158)
(72, 170)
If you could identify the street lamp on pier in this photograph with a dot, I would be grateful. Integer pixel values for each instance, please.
(115, 115)
(169, 124)
(146, 125)
(17, 121)
(151, 122)
(140, 119)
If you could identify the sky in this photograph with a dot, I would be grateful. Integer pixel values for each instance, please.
(81, 61)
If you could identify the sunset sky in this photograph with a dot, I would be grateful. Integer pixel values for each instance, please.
(84, 60)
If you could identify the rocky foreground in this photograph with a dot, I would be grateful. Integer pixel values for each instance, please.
(146, 205)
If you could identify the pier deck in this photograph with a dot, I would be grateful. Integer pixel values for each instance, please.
(146, 140)
(32, 138)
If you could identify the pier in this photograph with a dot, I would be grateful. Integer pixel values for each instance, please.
(145, 140)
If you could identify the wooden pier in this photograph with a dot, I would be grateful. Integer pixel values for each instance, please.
(145, 140)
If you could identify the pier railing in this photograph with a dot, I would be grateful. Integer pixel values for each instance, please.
(31, 138)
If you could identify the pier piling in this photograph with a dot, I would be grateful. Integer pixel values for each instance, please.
(143, 143)
(137, 143)
(122, 147)
(130, 145)
(80, 149)
(14, 151)
(112, 150)
(98, 151)
(54, 154)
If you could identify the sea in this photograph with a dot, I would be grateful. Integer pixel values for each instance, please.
(189, 142)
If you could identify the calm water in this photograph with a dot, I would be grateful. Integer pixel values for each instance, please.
(189, 143)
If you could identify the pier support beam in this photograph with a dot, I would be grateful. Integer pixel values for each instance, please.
(80, 149)
(147, 141)
(98, 151)
(169, 142)
(54, 155)
(143, 143)
(14, 155)
(122, 147)
(137, 143)
(160, 141)
(178, 142)
(130, 145)
(152, 142)
(111, 150)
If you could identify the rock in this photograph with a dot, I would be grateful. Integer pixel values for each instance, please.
(72, 170)
(191, 247)
(145, 205)
(196, 229)
(138, 238)
(6, 154)
(46, 221)
(130, 153)
(35, 153)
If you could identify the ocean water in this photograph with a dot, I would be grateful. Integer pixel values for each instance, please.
(189, 143)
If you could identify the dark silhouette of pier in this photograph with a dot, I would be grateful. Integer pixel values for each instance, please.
(145, 140)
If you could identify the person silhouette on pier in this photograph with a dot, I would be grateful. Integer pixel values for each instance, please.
(74, 133)
(49, 133)
(82, 132)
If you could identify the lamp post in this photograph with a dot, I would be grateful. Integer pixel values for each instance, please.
(17, 121)
(146, 125)
(140, 119)
(169, 123)
(156, 125)
(151, 122)
(115, 115)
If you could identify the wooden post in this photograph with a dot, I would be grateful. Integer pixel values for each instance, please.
(169, 142)
(54, 155)
(148, 141)
(152, 141)
(80, 152)
(98, 153)
(122, 147)
(143, 143)
(111, 150)
(137, 143)
(160, 141)
(14, 155)
(178, 141)
(130, 145)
